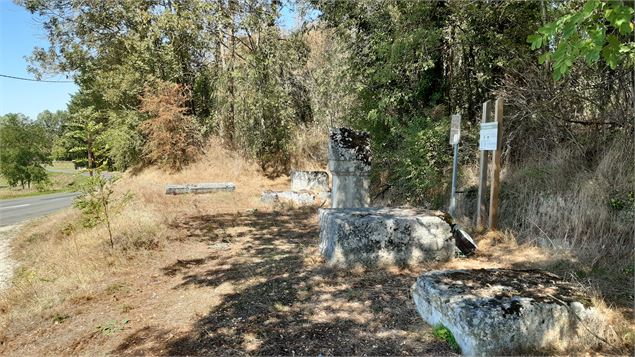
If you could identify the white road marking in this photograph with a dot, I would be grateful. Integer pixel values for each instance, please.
(24, 205)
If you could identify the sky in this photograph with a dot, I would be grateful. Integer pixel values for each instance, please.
(19, 33)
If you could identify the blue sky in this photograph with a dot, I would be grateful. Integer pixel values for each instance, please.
(19, 33)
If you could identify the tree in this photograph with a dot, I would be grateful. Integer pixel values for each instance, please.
(53, 124)
(98, 204)
(173, 138)
(597, 30)
(23, 150)
(85, 130)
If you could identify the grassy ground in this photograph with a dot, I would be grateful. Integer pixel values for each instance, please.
(222, 274)
(66, 181)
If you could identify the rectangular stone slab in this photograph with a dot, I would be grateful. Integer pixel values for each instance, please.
(502, 312)
(199, 188)
(384, 236)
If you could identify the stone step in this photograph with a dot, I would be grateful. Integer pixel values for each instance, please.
(501, 312)
(384, 236)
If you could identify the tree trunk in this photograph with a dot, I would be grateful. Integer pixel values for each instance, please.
(91, 160)
(230, 125)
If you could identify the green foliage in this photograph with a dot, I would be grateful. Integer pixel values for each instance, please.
(596, 30)
(97, 203)
(23, 150)
(442, 333)
(85, 131)
(623, 202)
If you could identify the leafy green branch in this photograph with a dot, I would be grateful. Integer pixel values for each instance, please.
(599, 30)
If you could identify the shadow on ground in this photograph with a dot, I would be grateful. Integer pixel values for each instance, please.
(279, 299)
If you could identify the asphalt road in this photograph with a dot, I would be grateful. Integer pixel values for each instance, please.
(19, 209)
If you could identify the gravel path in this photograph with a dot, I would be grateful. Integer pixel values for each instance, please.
(6, 264)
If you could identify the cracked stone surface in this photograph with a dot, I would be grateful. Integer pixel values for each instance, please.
(509, 312)
(384, 236)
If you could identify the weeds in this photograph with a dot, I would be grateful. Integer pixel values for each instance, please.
(442, 333)
(112, 327)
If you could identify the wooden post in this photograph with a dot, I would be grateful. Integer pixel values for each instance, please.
(496, 170)
(482, 182)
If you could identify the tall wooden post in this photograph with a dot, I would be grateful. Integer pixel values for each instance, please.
(482, 186)
(496, 170)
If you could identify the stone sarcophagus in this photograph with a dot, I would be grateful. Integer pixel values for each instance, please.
(349, 159)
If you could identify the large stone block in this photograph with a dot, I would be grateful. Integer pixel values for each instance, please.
(500, 312)
(200, 188)
(315, 181)
(384, 236)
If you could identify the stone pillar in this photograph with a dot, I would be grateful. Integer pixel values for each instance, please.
(349, 161)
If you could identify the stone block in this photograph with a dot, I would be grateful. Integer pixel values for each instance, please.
(199, 188)
(300, 198)
(350, 191)
(349, 158)
(501, 312)
(315, 181)
(384, 236)
(349, 151)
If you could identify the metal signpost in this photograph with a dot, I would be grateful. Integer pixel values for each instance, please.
(455, 137)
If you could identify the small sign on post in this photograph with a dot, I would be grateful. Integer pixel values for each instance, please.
(482, 182)
(455, 136)
(455, 129)
(490, 140)
(489, 136)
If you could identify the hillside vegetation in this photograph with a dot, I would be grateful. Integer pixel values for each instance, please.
(187, 91)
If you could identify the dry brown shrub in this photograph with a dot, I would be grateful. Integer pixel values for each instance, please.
(173, 137)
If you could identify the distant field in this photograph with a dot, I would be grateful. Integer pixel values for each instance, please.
(66, 181)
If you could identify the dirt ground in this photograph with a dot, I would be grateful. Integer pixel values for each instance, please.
(226, 275)
(237, 283)
(234, 284)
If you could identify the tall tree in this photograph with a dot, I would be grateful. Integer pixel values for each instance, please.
(23, 150)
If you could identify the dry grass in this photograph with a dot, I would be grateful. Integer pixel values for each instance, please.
(221, 274)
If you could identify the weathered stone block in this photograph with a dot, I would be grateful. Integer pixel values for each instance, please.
(349, 151)
(316, 181)
(349, 161)
(199, 188)
(500, 312)
(350, 191)
(384, 236)
(295, 197)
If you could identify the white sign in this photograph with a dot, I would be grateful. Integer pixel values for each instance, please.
(489, 136)
(455, 129)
